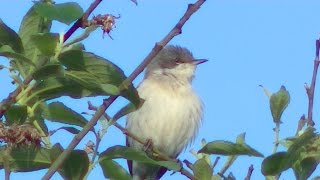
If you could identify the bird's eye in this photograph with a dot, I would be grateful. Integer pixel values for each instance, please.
(178, 61)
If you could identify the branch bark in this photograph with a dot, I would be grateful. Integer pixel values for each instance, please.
(310, 90)
(192, 8)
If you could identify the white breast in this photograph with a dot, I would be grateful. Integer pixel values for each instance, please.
(170, 116)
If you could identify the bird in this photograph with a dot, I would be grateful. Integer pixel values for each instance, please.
(172, 112)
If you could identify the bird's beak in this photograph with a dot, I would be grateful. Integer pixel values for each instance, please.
(199, 61)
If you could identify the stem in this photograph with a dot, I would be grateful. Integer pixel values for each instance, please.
(192, 8)
(276, 138)
(250, 170)
(79, 22)
(215, 163)
(310, 90)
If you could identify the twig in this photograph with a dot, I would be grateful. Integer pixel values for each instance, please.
(106, 103)
(215, 162)
(95, 152)
(11, 99)
(79, 22)
(250, 170)
(276, 137)
(188, 164)
(310, 90)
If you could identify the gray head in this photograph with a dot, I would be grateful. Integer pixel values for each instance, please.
(174, 61)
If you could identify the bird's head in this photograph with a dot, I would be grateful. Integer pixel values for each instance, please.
(174, 62)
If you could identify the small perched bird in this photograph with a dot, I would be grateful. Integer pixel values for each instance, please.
(172, 111)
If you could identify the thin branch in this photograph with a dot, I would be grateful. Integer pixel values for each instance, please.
(310, 90)
(95, 152)
(192, 8)
(79, 22)
(276, 137)
(250, 170)
(188, 164)
(215, 162)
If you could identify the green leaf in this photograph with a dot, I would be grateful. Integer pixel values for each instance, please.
(228, 148)
(202, 170)
(63, 12)
(90, 82)
(71, 130)
(10, 37)
(46, 42)
(49, 70)
(8, 52)
(16, 114)
(282, 161)
(112, 170)
(275, 164)
(54, 87)
(58, 112)
(104, 72)
(241, 138)
(130, 153)
(278, 103)
(31, 24)
(26, 158)
(303, 169)
(76, 165)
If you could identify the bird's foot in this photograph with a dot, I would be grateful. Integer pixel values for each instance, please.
(148, 145)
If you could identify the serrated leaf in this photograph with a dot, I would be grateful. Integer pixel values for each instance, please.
(130, 153)
(76, 165)
(228, 149)
(275, 164)
(202, 170)
(278, 103)
(8, 52)
(112, 170)
(63, 12)
(49, 70)
(10, 37)
(16, 114)
(26, 158)
(46, 42)
(31, 24)
(58, 112)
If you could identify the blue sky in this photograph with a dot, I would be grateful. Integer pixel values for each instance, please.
(248, 43)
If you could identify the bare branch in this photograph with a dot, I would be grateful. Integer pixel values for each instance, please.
(310, 90)
(250, 170)
(215, 162)
(79, 22)
(192, 8)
